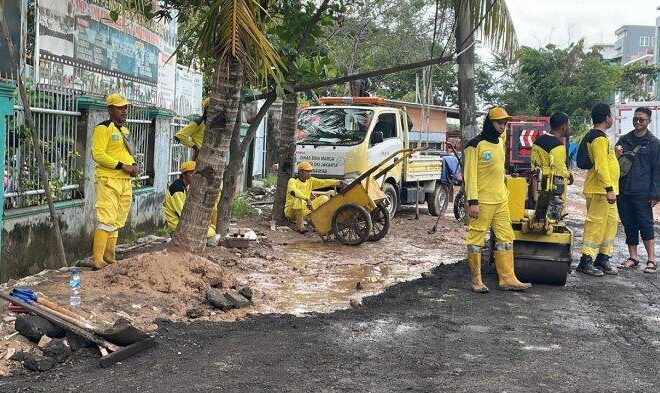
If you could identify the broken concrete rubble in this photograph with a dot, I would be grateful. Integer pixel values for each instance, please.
(39, 363)
(218, 300)
(236, 299)
(246, 292)
(33, 327)
(58, 350)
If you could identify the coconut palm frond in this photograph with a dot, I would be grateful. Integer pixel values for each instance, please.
(232, 29)
(496, 25)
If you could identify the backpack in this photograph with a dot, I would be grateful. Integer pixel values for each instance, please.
(583, 160)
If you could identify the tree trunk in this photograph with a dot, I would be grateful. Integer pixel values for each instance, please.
(272, 139)
(466, 94)
(287, 154)
(226, 87)
(36, 143)
(229, 180)
(237, 151)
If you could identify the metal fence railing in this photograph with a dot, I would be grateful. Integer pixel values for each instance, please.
(56, 121)
(139, 124)
(178, 153)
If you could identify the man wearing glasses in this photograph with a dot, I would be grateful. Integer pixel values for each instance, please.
(639, 188)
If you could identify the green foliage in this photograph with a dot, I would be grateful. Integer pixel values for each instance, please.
(241, 208)
(633, 77)
(553, 79)
(270, 180)
(162, 232)
(134, 236)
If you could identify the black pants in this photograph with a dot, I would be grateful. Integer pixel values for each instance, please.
(636, 216)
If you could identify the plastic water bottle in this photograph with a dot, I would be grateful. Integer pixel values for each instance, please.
(74, 284)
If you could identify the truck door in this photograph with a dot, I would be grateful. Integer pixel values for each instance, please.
(387, 123)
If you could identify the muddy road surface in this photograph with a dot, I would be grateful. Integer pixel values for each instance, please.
(429, 334)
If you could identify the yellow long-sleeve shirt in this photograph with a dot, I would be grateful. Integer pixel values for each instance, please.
(175, 199)
(109, 149)
(604, 175)
(297, 188)
(546, 146)
(484, 171)
(192, 135)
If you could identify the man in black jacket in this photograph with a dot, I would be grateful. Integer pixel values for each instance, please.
(639, 188)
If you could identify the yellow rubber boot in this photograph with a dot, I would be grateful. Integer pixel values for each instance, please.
(505, 271)
(98, 248)
(474, 260)
(109, 254)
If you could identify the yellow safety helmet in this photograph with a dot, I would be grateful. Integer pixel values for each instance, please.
(205, 102)
(305, 166)
(498, 113)
(187, 166)
(116, 99)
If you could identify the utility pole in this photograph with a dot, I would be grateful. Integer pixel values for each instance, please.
(465, 47)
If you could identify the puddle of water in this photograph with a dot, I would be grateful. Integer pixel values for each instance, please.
(323, 277)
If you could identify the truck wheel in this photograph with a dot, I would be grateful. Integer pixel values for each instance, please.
(380, 222)
(460, 209)
(438, 200)
(391, 199)
(351, 224)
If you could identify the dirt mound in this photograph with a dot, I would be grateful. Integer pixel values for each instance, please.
(165, 272)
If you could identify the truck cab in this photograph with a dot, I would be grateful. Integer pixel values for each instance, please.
(348, 135)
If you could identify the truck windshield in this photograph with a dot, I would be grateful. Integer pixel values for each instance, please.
(333, 126)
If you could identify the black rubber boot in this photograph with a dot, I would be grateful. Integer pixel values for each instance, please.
(602, 262)
(586, 266)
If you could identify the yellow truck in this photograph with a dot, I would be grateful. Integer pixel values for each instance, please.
(346, 136)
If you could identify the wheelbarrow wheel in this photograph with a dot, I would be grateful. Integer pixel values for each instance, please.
(380, 222)
(460, 210)
(351, 224)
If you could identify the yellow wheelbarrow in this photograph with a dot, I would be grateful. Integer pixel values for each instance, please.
(358, 212)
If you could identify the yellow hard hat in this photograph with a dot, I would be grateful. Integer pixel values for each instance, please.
(116, 99)
(498, 113)
(305, 166)
(205, 102)
(187, 166)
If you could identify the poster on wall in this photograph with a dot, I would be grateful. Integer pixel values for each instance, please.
(166, 92)
(188, 91)
(80, 48)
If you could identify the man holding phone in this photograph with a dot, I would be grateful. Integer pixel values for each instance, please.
(639, 188)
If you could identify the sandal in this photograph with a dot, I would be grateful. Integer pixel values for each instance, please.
(625, 264)
(651, 267)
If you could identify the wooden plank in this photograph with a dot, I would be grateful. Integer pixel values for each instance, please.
(126, 352)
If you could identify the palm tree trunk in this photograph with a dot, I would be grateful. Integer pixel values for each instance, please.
(237, 151)
(287, 154)
(226, 87)
(466, 95)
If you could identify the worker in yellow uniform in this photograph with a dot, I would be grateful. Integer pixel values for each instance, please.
(300, 201)
(487, 198)
(549, 151)
(112, 150)
(552, 145)
(175, 199)
(192, 135)
(601, 188)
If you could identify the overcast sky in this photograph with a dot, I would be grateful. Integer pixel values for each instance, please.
(539, 22)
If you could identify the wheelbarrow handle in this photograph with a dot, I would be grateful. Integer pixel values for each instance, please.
(406, 153)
